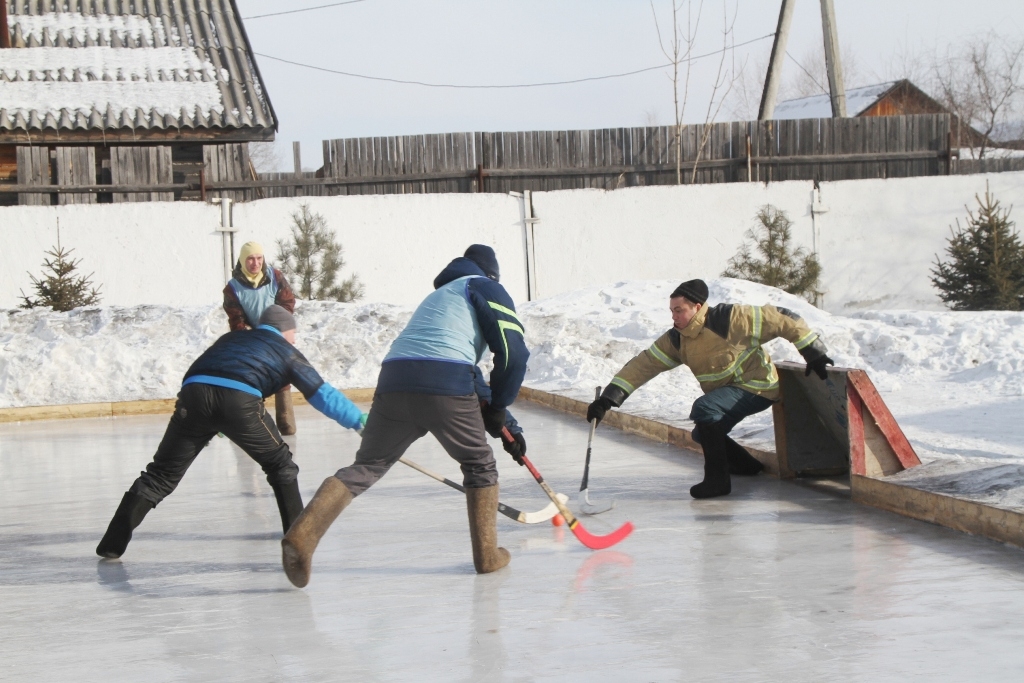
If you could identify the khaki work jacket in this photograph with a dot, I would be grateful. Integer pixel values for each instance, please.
(722, 345)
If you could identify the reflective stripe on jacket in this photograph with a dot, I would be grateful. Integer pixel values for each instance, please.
(722, 345)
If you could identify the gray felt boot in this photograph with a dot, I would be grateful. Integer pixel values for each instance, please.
(482, 505)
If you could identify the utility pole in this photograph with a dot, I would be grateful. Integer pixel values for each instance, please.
(5, 33)
(837, 91)
(774, 76)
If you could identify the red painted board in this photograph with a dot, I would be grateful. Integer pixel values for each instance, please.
(868, 394)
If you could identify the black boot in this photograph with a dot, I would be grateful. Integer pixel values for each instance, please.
(741, 462)
(129, 515)
(716, 463)
(289, 502)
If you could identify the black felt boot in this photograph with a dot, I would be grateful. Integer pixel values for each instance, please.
(741, 462)
(716, 463)
(289, 502)
(129, 515)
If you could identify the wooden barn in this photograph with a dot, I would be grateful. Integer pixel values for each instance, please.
(96, 93)
(893, 98)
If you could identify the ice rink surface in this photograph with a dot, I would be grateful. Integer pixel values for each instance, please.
(779, 581)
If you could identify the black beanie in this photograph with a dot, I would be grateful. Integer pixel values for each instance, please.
(483, 256)
(278, 317)
(694, 290)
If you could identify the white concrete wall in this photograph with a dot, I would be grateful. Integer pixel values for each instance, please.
(590, 237)
(877, 241)
(170, 253)
(880, 238)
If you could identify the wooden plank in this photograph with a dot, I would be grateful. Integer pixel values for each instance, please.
(999, 524)
(129, 408)
(141, 167)
(872, 401)
(33, 172)
(76, 166)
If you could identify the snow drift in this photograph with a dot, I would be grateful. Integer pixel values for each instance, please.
(953, 380)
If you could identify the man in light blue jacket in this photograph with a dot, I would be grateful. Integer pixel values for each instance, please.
(426, 384)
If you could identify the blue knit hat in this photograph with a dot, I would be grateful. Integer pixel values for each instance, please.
(483, 256)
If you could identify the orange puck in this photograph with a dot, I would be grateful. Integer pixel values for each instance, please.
(558, 520)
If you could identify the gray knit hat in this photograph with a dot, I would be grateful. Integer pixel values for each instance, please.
(278, 317)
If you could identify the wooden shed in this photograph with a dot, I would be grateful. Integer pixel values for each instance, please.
(95, 93)
(892, 98)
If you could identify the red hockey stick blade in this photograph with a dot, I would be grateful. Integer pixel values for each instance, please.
(600, 542)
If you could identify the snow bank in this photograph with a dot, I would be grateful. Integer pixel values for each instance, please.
(954, 381)
(126, 354)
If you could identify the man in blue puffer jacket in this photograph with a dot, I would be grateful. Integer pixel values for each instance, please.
(223, 392)
(426, 384)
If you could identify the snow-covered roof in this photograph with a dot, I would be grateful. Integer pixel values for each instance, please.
(175, 64)
(820, 106)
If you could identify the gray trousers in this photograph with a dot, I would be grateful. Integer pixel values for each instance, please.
(397, 419)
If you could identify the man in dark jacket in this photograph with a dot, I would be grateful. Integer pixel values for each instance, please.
(223, 392)
(426, 384)
(254, 285)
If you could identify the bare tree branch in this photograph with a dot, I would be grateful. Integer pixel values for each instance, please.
(723, 79)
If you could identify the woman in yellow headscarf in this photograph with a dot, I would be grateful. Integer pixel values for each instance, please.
(253, 287)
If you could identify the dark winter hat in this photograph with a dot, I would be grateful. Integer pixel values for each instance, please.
(694, 290)
(278, 317)
(483, 256)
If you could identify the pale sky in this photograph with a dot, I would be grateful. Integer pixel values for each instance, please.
(493, 42)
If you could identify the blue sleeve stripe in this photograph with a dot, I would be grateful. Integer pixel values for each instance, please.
(336, 406)
(222, 382)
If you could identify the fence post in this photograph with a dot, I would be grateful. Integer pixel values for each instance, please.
(297, 162)
(750, 177)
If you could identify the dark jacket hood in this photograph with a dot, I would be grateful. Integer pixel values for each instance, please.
(460, 267)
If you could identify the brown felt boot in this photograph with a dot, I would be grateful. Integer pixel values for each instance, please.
(483, 530)
(298, 544)
(285, 411)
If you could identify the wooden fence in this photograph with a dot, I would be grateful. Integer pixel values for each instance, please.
(754, 151)
(767, 151)
(967, 166)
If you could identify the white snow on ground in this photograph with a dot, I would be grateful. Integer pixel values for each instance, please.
(136, 353)
(954, 381)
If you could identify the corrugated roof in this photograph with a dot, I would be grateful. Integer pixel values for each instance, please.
(101, 65)
(820, 106)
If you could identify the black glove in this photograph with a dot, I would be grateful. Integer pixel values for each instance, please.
(597, 409)
(516, 447)
(818, 367)
(494, 419)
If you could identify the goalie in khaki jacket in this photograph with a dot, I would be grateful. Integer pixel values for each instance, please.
(722, 345)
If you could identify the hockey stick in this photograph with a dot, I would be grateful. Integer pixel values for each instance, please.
(586, 507)
(585, 537)
(537, 517)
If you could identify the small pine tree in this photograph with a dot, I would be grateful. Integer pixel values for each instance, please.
(61, 289)
(985, 270)
(774, 262)
(313, 259)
